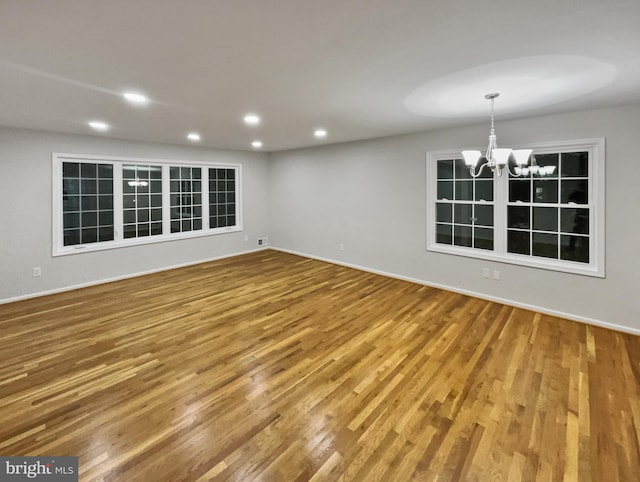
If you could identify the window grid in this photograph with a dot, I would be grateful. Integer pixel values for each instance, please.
(87, 203)
(186, 198)
(141, 200)
(548, 216)
(464, 206)
(106, 212)
(222, 197)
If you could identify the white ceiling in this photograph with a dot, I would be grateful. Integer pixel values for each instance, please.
(359, 68)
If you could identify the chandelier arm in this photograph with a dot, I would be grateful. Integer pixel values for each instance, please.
(476, 174)
(513, 173)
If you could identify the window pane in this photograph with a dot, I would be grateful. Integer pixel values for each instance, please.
(143, 215)
(462, 236)
(143, 229)
(155, 172)
(545, 245)
(484, 214)
(142, 201)
(105, 202)
(70, 186)
(88, 186)
(574, 248)
(105, 218)
(156, 187)
(105, 186)
(129, 231)
(70, 169)
(519, 217)
(574, 192)
(444, 233)
(71, 237)
(89, 235)
(129, 216)
(156, 229)
(464, 190)
(545, 219)
(518, 242)
(445, 170)
(574, 164)
(574, 220)
(129, 201)
(128, 172)
(520, 190)
(71, 203)
(105, 233)
(544, 160)
(463, 214)
(156, 214)
(88, 171)
(483, 238)
(89, 219)
(89, 203)
(545, 191)
(71, 220)
(461, 170)
(81, 212)
(444, 213)
(484, 190)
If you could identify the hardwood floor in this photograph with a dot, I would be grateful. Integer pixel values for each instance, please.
(273, 367)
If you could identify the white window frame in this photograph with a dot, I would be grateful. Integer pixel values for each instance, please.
(596, 204)
(57, 159)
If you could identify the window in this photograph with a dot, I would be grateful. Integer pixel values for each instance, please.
(142, 200)
(222, 197)
(464, 206)
(553, 220)
(87, 203)
(101, 203)
(186, 199)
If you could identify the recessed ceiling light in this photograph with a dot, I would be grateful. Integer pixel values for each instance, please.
(136, 98)
(193, 136)
(319, 133)
(99, 126)
(257, 144)
(251, 119)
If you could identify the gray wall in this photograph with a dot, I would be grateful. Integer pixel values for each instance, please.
(370, 196)
(25, 217)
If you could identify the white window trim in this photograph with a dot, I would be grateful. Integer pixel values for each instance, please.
(596, 267)
(57, 159)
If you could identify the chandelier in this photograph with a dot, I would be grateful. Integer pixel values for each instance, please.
(497, 158)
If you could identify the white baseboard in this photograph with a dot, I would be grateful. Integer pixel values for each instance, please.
(504, 301)
(126, 276)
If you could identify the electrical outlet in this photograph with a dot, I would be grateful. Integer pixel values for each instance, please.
(37, 272)
(341, 246)
(486, 273)
(246, 237)
(496, 274)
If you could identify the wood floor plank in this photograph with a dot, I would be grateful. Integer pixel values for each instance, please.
(274, 367)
